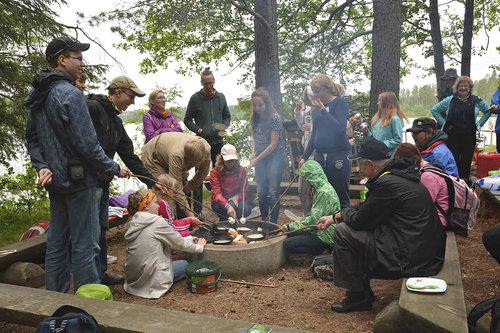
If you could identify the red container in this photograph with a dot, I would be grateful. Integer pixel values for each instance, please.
(487, 162)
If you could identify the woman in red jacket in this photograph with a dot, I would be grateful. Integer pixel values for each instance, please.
(229, 185)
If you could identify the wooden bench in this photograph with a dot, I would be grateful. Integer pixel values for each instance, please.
(427, 312)
(28, 306)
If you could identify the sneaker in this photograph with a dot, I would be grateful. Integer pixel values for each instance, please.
(355, 301)
(111, 280)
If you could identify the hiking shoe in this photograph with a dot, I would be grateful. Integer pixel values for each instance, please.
(353, 303)
(111, 280)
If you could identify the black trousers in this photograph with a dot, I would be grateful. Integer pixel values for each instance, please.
(349, 248)
(491, 241)
(462, 147)
(498, 143)
(305, 243)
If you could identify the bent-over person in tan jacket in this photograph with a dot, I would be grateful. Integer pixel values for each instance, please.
(175, 153)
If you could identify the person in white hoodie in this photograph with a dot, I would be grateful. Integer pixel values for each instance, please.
(149, 269)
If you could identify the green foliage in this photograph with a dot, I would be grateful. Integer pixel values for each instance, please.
(27, 27)
(239, 134)
(22, 203)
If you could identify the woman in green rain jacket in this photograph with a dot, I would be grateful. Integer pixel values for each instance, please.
(324, 202)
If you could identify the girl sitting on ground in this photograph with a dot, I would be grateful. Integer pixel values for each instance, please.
(228, 181)
(149, 269)
(324, 201)
(183, 225)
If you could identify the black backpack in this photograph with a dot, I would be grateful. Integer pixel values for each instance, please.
(480, 309)
(69, 319)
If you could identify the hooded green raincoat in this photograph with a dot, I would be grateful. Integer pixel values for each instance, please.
(325, 201)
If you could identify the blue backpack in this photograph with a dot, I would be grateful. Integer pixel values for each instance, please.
(69, 319)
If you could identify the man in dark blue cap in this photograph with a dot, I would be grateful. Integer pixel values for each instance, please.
(63, 147)
(395, 233)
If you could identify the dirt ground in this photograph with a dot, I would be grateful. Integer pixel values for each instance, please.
(300, 300)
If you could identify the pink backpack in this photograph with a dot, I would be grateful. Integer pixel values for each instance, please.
(463, 202)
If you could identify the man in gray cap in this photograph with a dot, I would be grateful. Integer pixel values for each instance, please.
(64, 149)
(395, 233)
(104, 111)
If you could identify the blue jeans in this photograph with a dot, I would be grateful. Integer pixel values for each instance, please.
(221, 210)
(179, 267)
(268, 174)
(102, 197)
(338, 171)
(74, 219)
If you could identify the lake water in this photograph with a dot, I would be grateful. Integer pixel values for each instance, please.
(135, 133)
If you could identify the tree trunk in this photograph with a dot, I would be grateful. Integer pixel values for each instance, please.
(386, 49)
(437, 45)
(266, 51)
(467, 37)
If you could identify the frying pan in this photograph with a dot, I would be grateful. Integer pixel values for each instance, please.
(222, 240)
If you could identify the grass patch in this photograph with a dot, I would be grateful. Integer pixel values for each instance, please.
(14, 223)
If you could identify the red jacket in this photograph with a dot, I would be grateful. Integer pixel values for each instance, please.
(224, 186)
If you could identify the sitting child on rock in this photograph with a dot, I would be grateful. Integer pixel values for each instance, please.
(324, 202)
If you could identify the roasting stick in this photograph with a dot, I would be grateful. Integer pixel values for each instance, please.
(249, 283)
(178, 201)
(289, 232)
(282, 194)
(179, 192)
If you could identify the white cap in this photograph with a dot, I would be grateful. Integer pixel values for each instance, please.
(228, 153)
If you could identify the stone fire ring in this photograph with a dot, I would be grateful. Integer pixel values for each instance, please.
(252, 259)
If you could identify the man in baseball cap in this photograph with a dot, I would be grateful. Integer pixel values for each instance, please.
(123, 82)
(395, 233)
(58, 45)
(431, 142)
(64, 150)
(371, 150)
(449, 78)
(104, 111)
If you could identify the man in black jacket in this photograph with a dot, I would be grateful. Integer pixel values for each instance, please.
(104, 111)
(395, 233)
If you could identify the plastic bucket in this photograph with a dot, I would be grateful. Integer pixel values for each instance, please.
(202, 276)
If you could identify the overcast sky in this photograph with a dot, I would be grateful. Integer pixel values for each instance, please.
(226, 81)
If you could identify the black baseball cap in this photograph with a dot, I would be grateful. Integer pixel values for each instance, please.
(371, 150)
(60, 44)
(422, 124)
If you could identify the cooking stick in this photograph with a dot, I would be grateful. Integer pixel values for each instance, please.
(291, 232)
(282, 194)
(178, 192)
(175, 199)
(249, 283)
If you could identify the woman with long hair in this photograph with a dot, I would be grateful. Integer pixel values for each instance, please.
(457, 114)
(329, 139)
(387, 123)
(158, 119)
(268, 153)
(228, 181)
(435, 184)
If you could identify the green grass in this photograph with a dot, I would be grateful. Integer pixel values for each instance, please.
(14, 223)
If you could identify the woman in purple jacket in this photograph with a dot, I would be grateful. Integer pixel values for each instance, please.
(159, 120)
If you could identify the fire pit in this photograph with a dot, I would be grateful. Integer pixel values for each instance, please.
(243, 259)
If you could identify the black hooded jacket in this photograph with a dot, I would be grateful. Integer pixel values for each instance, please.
(114, 139)
(407, 237)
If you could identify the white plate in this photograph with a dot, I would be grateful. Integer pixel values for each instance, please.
(419, 283)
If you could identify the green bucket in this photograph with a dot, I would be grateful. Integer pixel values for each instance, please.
(202, 276)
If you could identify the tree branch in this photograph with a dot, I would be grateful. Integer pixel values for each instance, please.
(252, 12)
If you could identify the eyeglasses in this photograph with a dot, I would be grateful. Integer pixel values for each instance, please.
(80, 59)
(126, 93)
(463, 86)
(415, 133)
